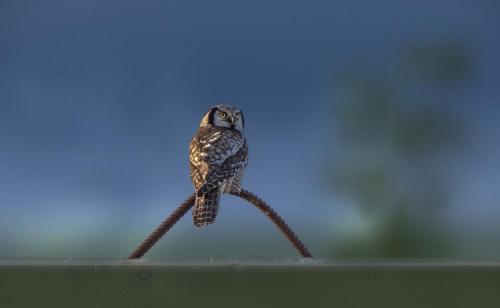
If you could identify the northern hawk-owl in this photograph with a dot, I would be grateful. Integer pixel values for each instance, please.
(218, 157)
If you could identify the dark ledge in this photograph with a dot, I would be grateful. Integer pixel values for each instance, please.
(248, 283)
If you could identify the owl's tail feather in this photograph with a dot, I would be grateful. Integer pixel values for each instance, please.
(205, 208)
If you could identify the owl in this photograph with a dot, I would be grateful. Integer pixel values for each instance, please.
(218, 156)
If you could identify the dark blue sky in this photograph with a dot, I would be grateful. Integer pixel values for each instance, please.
(99, 99)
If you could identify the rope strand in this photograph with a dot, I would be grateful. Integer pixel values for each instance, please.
(276, 219)
(166, 225)
(171, 220)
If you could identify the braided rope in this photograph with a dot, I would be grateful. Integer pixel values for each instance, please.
(171, 220)
(166, 225)
(276, 219)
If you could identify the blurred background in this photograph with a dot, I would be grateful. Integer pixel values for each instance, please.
(373, 126)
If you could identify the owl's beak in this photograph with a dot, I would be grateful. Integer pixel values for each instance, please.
(231, 119)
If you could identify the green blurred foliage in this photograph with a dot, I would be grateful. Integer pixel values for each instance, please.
(392, 141)
(444, 63)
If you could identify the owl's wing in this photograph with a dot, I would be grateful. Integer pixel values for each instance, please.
(211, 152)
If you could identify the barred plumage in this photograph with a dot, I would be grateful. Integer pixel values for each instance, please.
(218, 155)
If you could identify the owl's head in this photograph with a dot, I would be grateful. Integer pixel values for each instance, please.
(224, 116)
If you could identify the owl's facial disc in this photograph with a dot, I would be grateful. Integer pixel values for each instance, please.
(226, 116)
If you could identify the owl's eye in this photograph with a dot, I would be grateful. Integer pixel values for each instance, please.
(222, 114)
